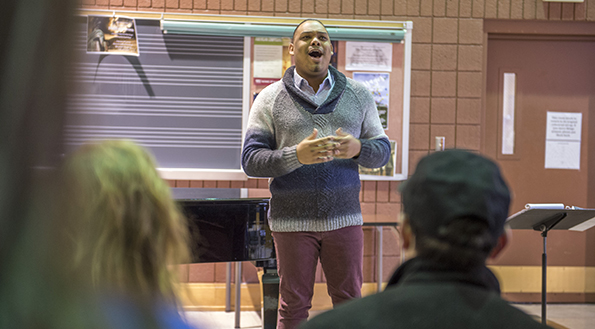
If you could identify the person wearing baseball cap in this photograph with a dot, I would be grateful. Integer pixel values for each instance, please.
(455, 207)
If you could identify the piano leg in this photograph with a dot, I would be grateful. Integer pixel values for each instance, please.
(228, 287)
(270, 297)
(238, 287)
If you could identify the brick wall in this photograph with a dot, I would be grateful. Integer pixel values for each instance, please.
(216, 272)
(376, 197)
(446, 69)
(446, 81)
(364, 9)
(447, 53)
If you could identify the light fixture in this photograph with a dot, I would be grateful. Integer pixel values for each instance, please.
(277, 31)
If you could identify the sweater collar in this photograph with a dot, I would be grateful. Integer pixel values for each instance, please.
(421, 270)
(331, 101)
(326, 83)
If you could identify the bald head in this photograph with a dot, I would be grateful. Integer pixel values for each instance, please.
(302, 22)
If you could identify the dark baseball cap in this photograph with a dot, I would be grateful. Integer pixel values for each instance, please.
(453, 184)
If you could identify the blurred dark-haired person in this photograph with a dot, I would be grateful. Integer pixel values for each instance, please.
(455, 207)
(36, 288)
(128, 231)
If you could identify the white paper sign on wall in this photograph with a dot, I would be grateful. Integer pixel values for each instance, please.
(563, 140)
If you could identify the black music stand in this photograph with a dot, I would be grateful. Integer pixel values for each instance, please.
(543, 218)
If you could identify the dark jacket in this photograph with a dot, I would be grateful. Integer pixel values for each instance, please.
(422, 294)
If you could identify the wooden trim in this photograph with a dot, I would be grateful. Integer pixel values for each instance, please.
(211, 296)
(538, 27)
(242, 19)
(566, 284)
(540, 37)
(560, 279)
(578, 298)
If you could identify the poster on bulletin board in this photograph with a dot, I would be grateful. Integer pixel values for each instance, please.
(111, 35)
(268, 58)
(378, 84)
(368, 56)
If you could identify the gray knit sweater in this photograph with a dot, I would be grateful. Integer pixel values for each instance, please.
(319, 197)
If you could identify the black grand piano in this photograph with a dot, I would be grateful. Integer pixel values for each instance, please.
(227, 226)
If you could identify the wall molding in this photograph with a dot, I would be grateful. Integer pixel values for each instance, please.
(566, 284)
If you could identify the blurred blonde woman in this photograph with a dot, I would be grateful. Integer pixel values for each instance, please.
(128, 231)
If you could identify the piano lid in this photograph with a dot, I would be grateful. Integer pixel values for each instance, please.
(182, 193)
(227, 194)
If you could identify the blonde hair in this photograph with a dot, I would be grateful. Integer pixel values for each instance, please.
(130, 233)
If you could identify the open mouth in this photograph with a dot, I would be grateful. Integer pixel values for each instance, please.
(315, 53)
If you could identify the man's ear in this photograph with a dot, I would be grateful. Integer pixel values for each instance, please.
(407, 239)
(406, 235)
(291, 49)
(503, 240)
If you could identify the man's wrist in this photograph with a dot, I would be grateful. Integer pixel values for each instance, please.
(360, 149)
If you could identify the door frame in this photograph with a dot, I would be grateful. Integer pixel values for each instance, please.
(526, 29)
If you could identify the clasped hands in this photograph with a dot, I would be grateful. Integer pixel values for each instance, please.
(318, 150)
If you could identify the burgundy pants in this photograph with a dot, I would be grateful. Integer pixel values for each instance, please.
(341, 256)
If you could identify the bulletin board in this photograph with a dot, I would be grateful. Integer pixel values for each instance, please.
(395, 118)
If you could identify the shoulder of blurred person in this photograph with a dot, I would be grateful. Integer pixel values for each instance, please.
(122, 311)
(422, 304)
